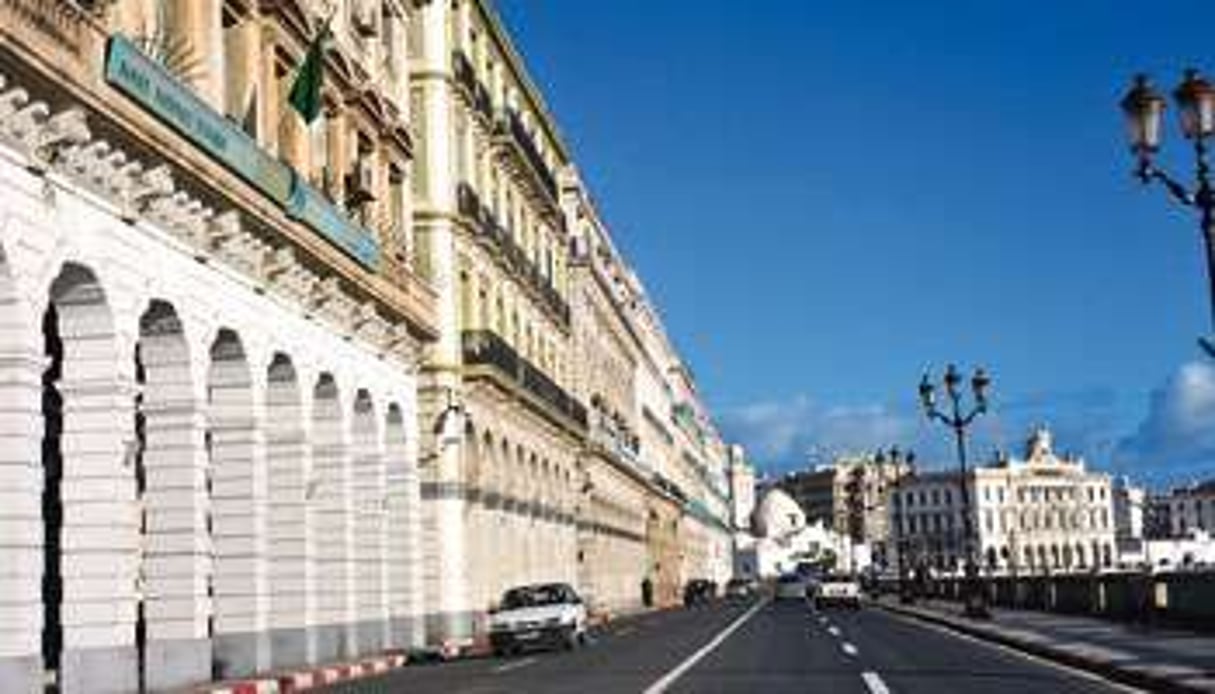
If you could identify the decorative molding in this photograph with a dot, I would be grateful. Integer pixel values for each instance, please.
(61, 142)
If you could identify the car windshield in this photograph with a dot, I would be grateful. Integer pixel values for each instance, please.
(534, 596)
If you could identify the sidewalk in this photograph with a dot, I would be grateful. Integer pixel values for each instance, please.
(1159, 659)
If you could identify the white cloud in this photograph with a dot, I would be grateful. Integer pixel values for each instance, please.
(783, 435)
(1176, 440)
(780, 435)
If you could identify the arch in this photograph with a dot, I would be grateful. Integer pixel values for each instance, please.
(88, 417)
(291, 544)
(22, 355)
(173, 618)
(329, 514)
(403, 519)
(369, 541)
(238, 498)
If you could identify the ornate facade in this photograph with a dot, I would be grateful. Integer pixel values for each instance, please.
(276, 390)
(551, 355)
(1042, 513)
(209, 336)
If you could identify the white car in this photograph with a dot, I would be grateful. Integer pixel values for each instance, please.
(544, 615)
(791, 587)
(838, 589)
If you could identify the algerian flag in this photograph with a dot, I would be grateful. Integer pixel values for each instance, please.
(305, 94)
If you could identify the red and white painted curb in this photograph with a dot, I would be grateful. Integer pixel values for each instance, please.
(303, 680)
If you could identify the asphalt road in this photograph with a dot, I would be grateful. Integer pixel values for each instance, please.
(752, 649)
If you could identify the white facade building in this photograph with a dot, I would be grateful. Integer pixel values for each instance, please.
(208, 396)
(1040, 513)
(781, 539)
(1191, 508)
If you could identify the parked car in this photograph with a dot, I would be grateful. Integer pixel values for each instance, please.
(699, 591)
(791, 587)
(838, 589)
(544, 615)
(741, 588)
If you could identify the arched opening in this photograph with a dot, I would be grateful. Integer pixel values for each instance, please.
(238, 503)
(170, 467)
(290, 546)
(371, 607)
(329, 511)
(23, 352)
(403, 552)
(87, 407)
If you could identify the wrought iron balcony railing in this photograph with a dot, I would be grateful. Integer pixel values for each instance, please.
(469, 205)
(487, 348)
(510, 127)
(466, 79)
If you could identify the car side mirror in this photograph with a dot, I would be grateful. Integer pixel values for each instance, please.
(494, 608)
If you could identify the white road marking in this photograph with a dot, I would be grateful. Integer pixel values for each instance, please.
(834, 631)
(874, 682)
(514, 665)
(624, 631)
(849, 648)
(669, 678)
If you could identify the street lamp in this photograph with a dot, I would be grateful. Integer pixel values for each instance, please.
(1144, 110)
(958, 421)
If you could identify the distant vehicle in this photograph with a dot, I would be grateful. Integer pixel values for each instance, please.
(699, 591)
(545, 615)
(838, 589)
(739, 588)
(791, 587)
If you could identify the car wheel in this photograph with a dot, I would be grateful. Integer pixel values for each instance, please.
(572, 639)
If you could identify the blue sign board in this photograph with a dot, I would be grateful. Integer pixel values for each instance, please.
(154, 88)
(310, 207)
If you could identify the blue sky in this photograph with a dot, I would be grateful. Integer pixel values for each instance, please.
(826, 198)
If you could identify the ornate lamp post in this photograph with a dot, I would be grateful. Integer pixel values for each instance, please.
(1144, 109)
(958, 420)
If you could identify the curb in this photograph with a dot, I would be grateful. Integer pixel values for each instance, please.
(303, 680)
(1110, 671)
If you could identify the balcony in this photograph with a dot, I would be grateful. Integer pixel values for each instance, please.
(509, 129)
(474, 90)
(469, 205)
(486, 348)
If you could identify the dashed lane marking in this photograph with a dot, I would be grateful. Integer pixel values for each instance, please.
(834, 631)
(874, 683)
(625, 631)
(514, 665)
(849, 648)
(668, 679)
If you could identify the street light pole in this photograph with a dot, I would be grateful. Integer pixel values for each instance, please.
(958, 421)
(1144, 109)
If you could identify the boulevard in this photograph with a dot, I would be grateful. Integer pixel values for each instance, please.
(782, 646)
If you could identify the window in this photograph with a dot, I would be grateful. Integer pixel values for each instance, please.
(240, 36)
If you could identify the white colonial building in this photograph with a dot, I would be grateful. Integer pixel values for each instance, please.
(781, 539)
(1041, 513)
(208, 396)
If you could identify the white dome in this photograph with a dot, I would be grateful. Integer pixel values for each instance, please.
(777, 515)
